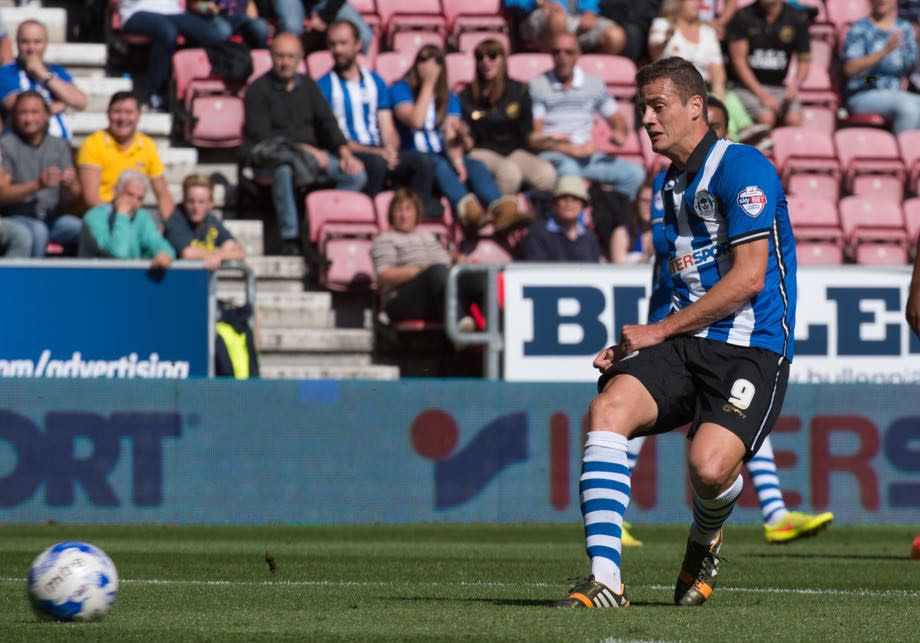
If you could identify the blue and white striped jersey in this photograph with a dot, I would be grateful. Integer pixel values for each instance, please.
(431, 137)
(356, 104)
(727, 195)
(659, 302)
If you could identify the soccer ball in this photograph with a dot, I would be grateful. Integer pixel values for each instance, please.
(72, 581)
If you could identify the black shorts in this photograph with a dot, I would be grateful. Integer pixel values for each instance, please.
(701, 380)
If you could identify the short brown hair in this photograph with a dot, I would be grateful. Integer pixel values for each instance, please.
(197, 181)
(683, 75)
(402, 194)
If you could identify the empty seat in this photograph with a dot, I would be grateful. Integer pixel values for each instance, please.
(342, 225)
(217, 121)
(617, 72)
(525, 67)
(393, 65)
(409, 42)
(461, 69)
(878, 186)
(630, 150)
(819, 117)
(487, 251)
(419, 15)
(803, 150)
(911, 208)
(844, 12)
(880, 254)
(909, 147)
(474, 16)
(351, 267)
(872, 221)
(815, 253)
(817, 185)
(866, 150)
(467, 40)
(815, 219)
(188, 65)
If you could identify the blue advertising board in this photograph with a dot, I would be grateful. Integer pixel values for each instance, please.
(322, 452)
(105, 319)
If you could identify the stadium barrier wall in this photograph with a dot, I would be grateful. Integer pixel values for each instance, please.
(322, 452)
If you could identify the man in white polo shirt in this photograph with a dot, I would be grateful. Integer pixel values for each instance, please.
(565, 101)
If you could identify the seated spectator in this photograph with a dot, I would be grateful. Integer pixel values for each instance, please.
(497, 122)
(122, 229)
(292, 15)
(680, 31)
(164, 21)
(230, 17)
(879, 53)
(289, 124)
(412, 267)
(106, 154)
(30, 72)
(564, 235)
(543, 20)
(632, 242)
(39, 185)
(360, 101)
(428, 117)
(6, 47)
(565, 102)
(195, 232)
(635, 18)
(761, 40)
(15, 240)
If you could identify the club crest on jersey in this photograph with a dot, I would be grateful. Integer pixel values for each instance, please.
(752, 200)
(704, 204)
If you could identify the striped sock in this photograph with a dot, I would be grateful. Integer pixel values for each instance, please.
(632, 454)
(709, 514)
(604, 497)
(762, 468)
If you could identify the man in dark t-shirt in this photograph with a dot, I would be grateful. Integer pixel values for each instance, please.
(761, 40)
(195, 232)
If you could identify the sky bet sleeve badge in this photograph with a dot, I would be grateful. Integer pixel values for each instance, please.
(752, 200)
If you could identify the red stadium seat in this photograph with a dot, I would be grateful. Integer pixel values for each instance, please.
(654, 162)
(467, 41)
(815, 253)
(631, 149)
(189, 65)
(217, 121)
(873, 221)
(880, 254)
(409, 42)
(815, 219)
(328, 209)
(342, 226)
(818, 117)
(393, 65)
(461, 69)
(878, 186)
(525, 67)
(419, 15)
(474, 15)
(815, 185)
(487, 251)
(911, 209)
(842, 13)
(617, 72)
(909, 146)
(865, 150)
(802, 150)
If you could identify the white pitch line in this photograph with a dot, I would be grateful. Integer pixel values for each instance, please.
(333, 583)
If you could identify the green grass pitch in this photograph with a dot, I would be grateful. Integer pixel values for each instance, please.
(462, 582)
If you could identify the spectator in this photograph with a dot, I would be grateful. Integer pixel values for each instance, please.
(39, 184)
(6, 48)
(632, 242)
(292, 15)
(718, 22)
(564, 235)
(543, 20)
(163, 21)
(635, 18)
(680, 31)
(122, 229)
(106, 154)
(412, 267)
(879, 53)
(283, 108)
(565, 101)
(195, 232)
(428, 118)
(229, 17)
(498, 120)
(15, 240)
(29, 71)
(761, 40)
(360, 101)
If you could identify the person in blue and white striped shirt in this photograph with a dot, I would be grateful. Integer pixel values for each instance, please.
(719, 359)
(360, 101)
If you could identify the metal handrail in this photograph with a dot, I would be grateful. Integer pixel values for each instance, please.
(491, 338)
(248, 275)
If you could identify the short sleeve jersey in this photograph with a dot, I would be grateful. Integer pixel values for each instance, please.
(770, 46)
(102, 151)
(355, 104)
(14, 79)
(865, 38)
(725, 196)
(430, 138)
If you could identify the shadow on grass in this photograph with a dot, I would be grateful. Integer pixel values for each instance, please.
(821, 556)
(512, 602)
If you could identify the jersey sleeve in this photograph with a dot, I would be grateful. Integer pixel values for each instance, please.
(656, 207)
(453, 105)
(324, 83)
(748, 190)
(383, 94)
(89, 153)
(400, 93)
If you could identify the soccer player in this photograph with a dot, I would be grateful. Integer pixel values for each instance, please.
(780, 525)
(721, 358)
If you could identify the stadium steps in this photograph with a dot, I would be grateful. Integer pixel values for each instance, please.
(292, 360)
(55, 21)
(75, 56)
(315, 340)
(331, 372)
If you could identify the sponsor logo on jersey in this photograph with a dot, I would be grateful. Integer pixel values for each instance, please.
(704, 204)
(697, 258)
(752, 200)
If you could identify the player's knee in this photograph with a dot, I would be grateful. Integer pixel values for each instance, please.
(711, 476)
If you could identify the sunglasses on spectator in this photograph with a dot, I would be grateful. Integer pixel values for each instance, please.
(491, 55)
(563, 52)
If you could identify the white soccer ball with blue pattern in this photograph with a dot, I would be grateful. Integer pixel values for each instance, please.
(72, 581)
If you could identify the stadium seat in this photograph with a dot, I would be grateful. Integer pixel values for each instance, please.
(409, 42)
(873, 222)
(841, 13)
(631, 150)
(909, 146)
(815, 219)
(865, 150)
(461, 69)
(821, 29)
(803, 150)
(343, 225)
(617, 72)
(419, 15)
(819, 117)
(911, 208)
(486, 251)
(815, 253)
(654, 162)
(468, 18)
(467, 41)
(368, 11)
(525, 67)
(816, 185)
(393, 65)
(880, 254)
(878, 186)
(822, 54)
(213, 111)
